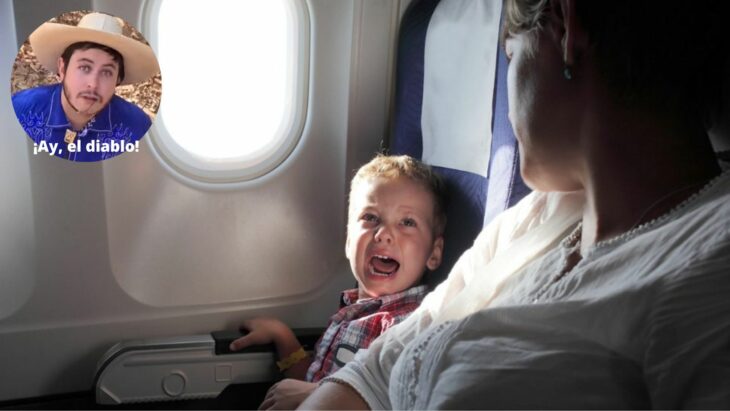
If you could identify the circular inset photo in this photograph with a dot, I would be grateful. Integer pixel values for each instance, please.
(86, 86)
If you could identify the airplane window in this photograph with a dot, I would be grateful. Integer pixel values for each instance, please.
(234, 85)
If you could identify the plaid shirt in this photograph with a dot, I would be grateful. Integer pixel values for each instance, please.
(357, 324)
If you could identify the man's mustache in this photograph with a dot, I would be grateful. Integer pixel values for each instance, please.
(90, 95)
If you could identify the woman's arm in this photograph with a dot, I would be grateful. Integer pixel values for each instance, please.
(334, 396)
(687, 362)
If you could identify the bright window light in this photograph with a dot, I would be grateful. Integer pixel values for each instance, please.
(232, 74)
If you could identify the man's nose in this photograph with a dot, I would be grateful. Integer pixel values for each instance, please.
(384, 234)
(92, 81)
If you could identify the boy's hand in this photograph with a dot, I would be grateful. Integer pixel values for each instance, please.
(270, 330)
(287, 394)
(261, 331)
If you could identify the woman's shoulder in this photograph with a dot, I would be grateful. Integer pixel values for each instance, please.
(707, 214)
(553, 211)
(696, 241)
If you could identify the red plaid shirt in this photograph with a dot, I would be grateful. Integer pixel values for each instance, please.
(357, 324)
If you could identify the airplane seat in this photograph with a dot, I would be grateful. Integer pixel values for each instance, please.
(719, 129)
(451, 112)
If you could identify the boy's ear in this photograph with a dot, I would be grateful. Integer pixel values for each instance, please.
(434, 260)
(347, 244)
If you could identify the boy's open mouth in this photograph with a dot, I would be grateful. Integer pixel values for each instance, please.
(383, 266)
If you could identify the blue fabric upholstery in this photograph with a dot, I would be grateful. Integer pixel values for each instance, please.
(505, 186)
(469, 193)
(406, 137)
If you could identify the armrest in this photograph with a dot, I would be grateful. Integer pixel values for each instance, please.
(192, 367)
(307, 337)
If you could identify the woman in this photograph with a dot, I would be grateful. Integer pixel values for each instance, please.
(608, 287)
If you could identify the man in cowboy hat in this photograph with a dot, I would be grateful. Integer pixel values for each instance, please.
(81, 119)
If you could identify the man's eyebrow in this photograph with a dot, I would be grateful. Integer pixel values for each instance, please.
(88, 60)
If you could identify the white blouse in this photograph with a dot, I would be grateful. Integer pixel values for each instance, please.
(642, 321)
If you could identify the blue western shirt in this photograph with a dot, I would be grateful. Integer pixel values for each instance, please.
(115, 129)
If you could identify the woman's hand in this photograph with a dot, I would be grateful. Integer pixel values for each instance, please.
(334, 396)
(261, 331)
(287, 394)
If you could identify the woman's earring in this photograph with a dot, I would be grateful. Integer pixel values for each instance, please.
(566, 69)
(567, 73)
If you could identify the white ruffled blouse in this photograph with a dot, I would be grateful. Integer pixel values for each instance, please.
(642, 321)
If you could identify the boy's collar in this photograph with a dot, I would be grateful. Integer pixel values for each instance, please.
(350, 296)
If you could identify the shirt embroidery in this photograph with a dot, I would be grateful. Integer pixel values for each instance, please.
(41, 115)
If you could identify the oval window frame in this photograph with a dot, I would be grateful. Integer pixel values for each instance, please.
(194, 169)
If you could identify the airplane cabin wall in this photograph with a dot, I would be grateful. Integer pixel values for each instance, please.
(17, 243)
(71, 232)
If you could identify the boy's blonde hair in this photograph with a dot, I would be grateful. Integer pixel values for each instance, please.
(393, 167)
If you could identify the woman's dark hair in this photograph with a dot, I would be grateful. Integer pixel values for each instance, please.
(667, 55)
(86, 45)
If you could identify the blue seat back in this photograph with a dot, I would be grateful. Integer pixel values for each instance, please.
(451, 112)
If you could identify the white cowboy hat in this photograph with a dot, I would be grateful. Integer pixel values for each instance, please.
(51, 39)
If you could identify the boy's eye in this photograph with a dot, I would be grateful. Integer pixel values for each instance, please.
(85, 69)
(409, 222)
(370, 218)
(106, 73)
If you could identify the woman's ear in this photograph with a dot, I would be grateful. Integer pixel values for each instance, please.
(565, 28)
(434, 260)
(560, 23)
